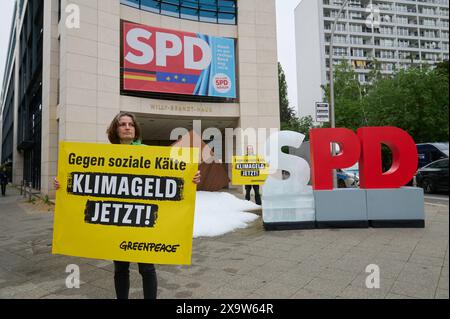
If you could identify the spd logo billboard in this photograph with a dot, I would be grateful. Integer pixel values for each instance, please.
(156, 60)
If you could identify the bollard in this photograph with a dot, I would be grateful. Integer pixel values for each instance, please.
(24, 188)
(30, 192)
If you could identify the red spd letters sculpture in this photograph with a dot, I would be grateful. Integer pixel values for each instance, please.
(365, 147)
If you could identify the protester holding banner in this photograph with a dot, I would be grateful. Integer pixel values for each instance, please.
(248, 188)
(124, 129)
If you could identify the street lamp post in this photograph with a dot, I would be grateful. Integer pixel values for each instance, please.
(332, 113)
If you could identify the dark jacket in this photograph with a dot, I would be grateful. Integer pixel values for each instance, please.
(3, 178)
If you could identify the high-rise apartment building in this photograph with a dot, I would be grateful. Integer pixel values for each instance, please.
(397, 33)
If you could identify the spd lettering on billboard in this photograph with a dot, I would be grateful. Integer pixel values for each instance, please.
(157, 60)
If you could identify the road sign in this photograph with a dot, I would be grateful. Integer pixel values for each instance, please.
(322, 112)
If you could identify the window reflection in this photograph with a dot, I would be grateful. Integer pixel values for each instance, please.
(211, 11)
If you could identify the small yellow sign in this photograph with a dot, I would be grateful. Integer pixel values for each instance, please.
(125, 203)
(249, 170)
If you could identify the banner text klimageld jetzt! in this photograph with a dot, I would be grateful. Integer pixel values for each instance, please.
(249, 170)
(127, 203)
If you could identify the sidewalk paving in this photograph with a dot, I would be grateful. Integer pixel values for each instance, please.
(248, 263)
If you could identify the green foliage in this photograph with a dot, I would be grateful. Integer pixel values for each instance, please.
(374, 75)
(443, 67)
(290, 122)
(415, 100)
(286, 112)
(302, 125)
(47, 200)
(348, 96)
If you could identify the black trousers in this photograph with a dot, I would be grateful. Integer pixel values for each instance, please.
(122, 279)
(3, 189)
(248, 190)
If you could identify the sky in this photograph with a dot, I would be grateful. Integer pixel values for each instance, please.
(6, 11)
(285, 32)
(286, 51)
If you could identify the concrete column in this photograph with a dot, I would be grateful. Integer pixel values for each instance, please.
(50, 79)
(17, 173)
(258, 65)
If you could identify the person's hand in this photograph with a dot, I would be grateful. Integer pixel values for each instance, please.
(56, 183)
(197, 178)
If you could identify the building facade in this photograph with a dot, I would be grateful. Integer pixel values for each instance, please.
(21, 98)
(98, 58)
(396, 33)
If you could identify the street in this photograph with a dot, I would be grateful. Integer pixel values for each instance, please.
(437, 199)
(247, 264)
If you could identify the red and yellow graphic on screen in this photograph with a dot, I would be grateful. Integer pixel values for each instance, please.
(157, 60)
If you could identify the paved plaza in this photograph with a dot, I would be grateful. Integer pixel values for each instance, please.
(249, 263)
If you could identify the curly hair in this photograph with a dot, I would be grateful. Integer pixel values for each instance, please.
(113, 136)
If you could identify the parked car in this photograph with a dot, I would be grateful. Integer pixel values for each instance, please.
(433, 177)
(430, 152)
(348, 177)
(353, 170)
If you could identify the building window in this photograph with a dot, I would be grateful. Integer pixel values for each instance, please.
(227, 18)
(189, 14)
(211, 11)
(170, 10)
(362, 78)
(208, 16)
(132, 3)
(147, 5)
(29, 110)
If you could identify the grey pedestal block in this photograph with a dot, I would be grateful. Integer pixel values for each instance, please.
(289, 211)
(343, 207)
(403, 207)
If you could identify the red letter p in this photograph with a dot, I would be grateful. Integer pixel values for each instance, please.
(323, 162)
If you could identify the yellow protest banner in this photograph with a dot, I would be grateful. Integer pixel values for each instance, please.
(249, 170)
(125, 203)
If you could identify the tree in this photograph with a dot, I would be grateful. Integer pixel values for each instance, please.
(286, 112)
(348, 97)
(442, 67)
(302, 125)
(290, 122)
(415, 100)
(374, 75)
